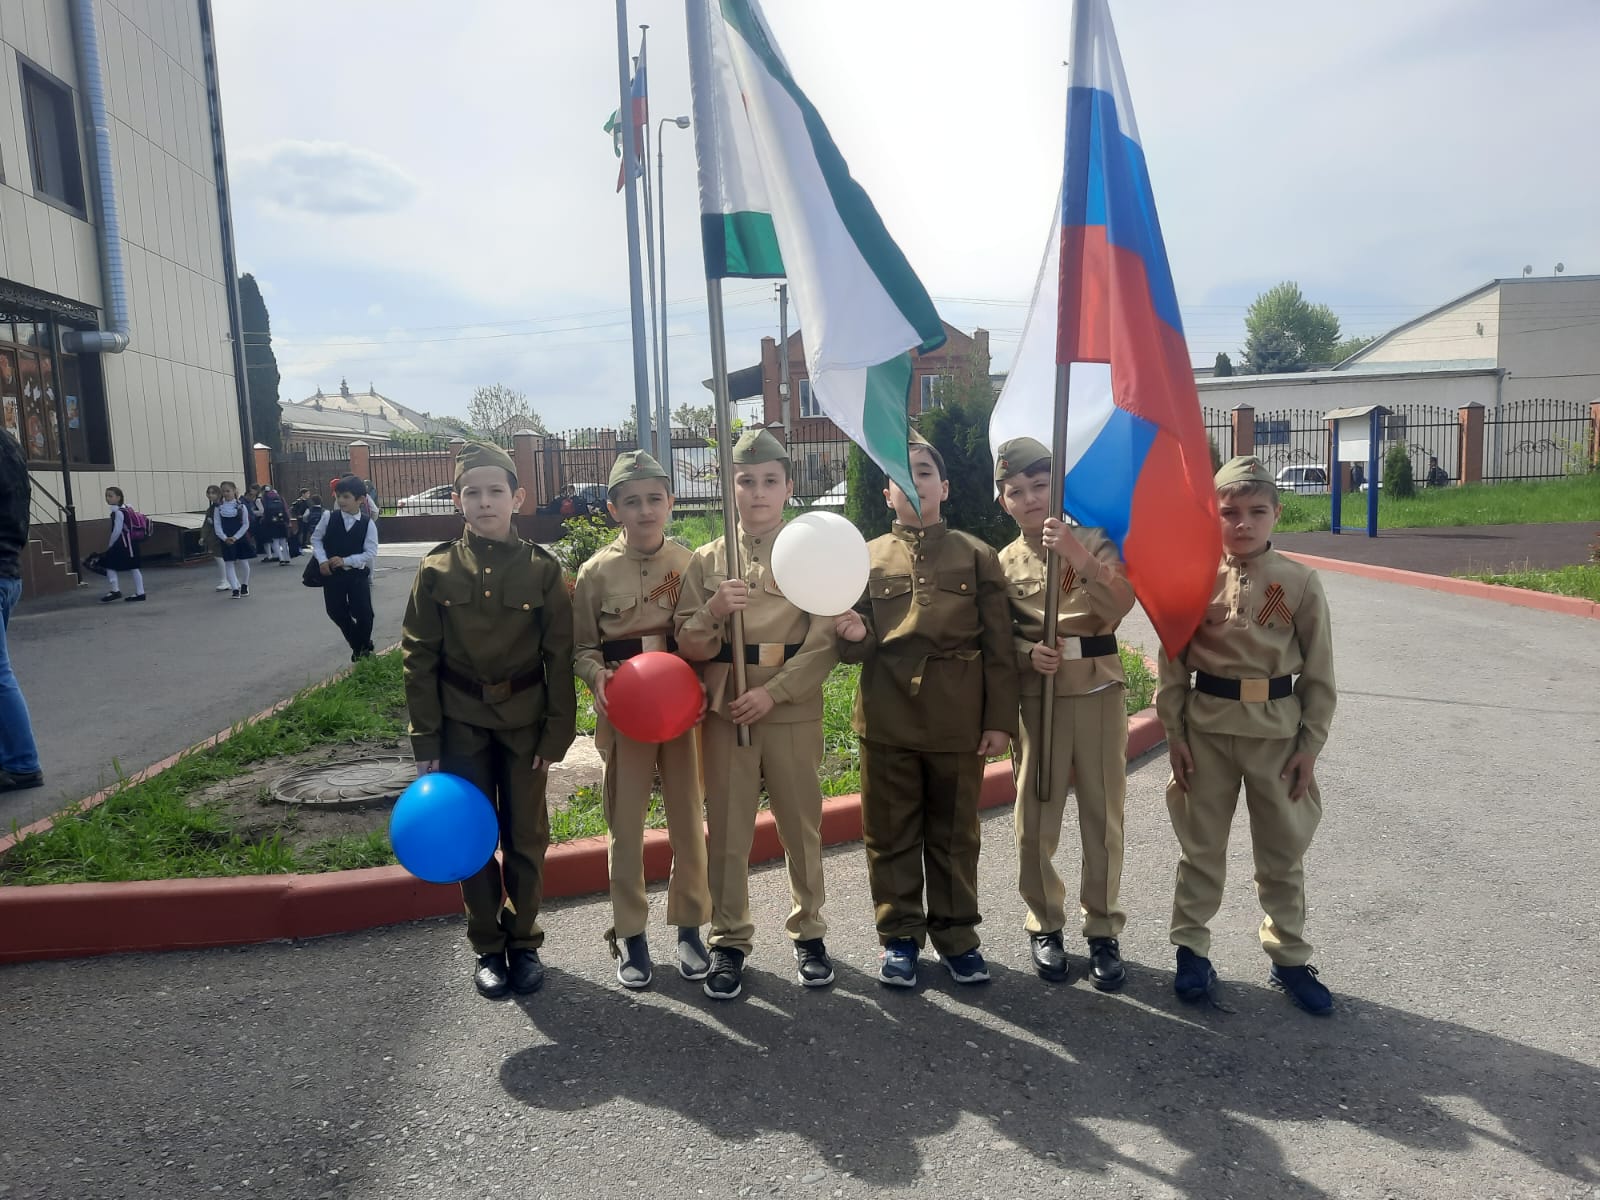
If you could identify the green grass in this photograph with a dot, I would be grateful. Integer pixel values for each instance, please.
(1582, 581)
(1525, 502)
(697, 529)
(1141, 679)
(149, 830)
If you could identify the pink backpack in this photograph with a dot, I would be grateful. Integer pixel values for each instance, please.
(136, 523)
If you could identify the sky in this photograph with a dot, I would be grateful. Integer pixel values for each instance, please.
(426, 194)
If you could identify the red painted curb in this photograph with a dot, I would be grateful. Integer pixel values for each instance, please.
(76, 920)
(1572, 606)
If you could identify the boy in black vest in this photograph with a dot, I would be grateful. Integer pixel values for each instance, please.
(346, 543)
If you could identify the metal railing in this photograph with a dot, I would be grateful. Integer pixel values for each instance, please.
(52, 524)
(1537, 439)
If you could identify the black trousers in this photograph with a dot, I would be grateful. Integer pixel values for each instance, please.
(347, 595)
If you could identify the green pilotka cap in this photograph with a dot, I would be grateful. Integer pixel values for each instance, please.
(1247, 468)
(1017, 455)
(633, 465)
(758, 446)
(916, 439)
(482, 454)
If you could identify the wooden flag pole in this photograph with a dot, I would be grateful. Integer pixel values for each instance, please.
(1052, 577)
(730, 512)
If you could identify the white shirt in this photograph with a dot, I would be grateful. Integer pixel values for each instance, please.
(116, 525)
(352, 562)
(230, 509)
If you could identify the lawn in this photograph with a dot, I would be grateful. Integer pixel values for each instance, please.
(1582, 581)
(1523, 502)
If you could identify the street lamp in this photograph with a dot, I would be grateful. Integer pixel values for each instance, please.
(664, 413)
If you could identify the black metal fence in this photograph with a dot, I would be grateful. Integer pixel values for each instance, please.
(1292, 437)
(1219, 428)
(1428, 432)
(1537, 439)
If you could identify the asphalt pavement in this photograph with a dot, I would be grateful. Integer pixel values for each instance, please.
(1453, 896)
(120, 686)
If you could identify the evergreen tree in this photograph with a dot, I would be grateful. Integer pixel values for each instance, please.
(1398, 481)
(1224, 365)
(260, 365)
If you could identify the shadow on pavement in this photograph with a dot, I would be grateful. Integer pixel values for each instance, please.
(865, 1073)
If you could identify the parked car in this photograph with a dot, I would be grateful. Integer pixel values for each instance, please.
(1305, 479)
(434, 500)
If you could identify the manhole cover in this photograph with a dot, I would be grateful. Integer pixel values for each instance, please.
(366, 783)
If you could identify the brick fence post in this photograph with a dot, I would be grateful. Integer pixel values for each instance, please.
(262, 461)
(1244, 430)
(360, 460)
(1594, 435)
(1469, 443)
(523, 449)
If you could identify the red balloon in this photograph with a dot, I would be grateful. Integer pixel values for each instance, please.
(654, 697)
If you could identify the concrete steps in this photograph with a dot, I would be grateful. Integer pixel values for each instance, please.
(43, 574)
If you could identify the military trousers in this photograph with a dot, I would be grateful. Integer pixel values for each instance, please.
(630, 772)
(502, 900)
(1280, 832)
(787, 757)
(1090, 736)
(919, 821)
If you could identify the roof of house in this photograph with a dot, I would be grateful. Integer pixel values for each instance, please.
(370, 403)
(745, 382)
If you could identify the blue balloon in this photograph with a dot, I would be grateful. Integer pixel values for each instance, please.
(443, 828)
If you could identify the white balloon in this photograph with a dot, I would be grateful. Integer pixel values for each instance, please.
(820, 561)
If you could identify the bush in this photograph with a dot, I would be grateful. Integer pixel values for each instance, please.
(1216, 454)
(584, 536)
(864, 506)
(1398, 482)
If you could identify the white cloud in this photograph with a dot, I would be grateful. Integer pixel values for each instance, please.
(326, 179)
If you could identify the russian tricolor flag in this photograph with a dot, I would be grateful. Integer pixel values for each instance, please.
(1137, 464)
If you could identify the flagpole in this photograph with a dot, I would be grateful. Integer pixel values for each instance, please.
(1052, 575)
(651, 443)
(730, 514)
(630, 156)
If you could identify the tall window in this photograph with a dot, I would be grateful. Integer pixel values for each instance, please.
(28, 399)
(52, 131)
(808, 404)
(1272, 432)
(930, 391)
(1394, 427)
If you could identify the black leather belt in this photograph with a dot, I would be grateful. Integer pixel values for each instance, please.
(1253, 691)
(1100, 645)
(491, 693)
(622, 649)
(761, 654)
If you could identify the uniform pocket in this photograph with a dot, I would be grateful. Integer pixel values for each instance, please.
(451, 591)
(889, 587)
(611, 606)
(1021, 589)
(524, 597)
(962, 582)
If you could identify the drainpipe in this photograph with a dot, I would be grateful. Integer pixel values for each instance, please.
(91, 81)
(230, 266)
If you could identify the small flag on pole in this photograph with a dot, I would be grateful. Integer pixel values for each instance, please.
(1137, 463)
(639, 94)
(777, 199)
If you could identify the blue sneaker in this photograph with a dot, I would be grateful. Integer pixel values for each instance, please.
(1195, 977)
(899, 963)
(968, 967)
(1302, 986)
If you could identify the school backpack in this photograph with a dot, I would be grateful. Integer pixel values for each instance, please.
(272, 508)
(136, 523)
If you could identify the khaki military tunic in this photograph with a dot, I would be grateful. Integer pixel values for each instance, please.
(626, 595)
(938, 668)
(1268, 618)
(496, 613)
(786, 745)
(1089, 727)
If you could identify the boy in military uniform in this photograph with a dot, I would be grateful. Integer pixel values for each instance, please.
(788, 654)
(623, 607)
(487, 650)
(1257, 712)
(938, 694)
(1089, 722)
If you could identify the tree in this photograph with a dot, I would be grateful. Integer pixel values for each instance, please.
(1398, 480)
(1311, 328)
(1350, 345)
(1272, 351)
(701, 419)
(456, 425)
(260, 365)
(1224, 365)
(498, 409)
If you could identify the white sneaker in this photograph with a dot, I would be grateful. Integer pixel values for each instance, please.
(223, 587)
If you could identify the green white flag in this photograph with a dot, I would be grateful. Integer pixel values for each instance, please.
(776, 199)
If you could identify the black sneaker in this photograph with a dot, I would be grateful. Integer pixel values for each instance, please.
(235, 593)
(1302, 986)
(16, 781)
(110, 596)
(816, 968)
(244, 589)
(139, 599)
(726, 978)
(1049, 956)
(1195, 977)
(526, 971)
(693, 961)
(897, 965)
(967, 967)
(490, 977)
(1106, 971)
(633, 962)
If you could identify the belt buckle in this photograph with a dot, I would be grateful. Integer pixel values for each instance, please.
(769, 654)
(1071, 648)
(497, 693)
(1254, 691)
(652, 642)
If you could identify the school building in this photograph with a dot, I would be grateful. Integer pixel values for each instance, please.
(119, 332)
